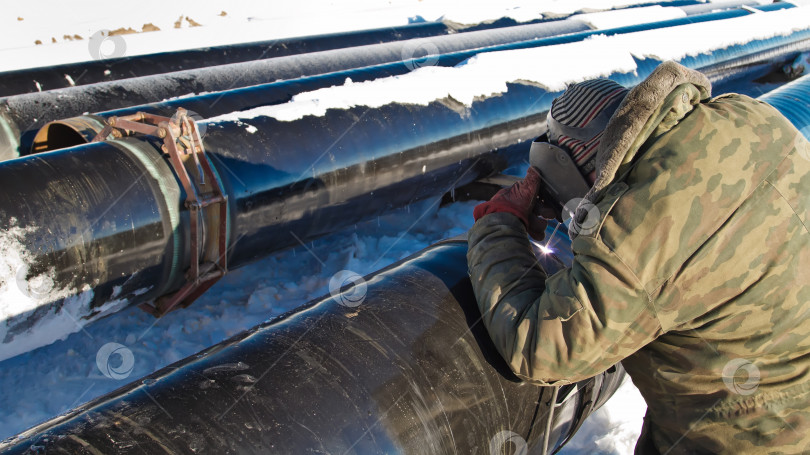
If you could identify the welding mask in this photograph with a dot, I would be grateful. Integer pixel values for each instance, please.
(566, 153)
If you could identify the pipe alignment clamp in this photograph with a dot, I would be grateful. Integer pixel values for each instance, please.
(208, 228)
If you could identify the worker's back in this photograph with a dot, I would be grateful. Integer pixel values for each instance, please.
(714, 222)
(691, 267)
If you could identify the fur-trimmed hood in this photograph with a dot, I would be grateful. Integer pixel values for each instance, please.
(651, 108)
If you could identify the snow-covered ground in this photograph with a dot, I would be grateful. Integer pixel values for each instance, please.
(50, 380)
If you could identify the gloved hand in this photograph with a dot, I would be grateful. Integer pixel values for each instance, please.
(520, 200)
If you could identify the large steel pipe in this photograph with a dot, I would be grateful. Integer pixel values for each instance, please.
(45, 78)
(22, 116)
(751, 60)
(110, 227)
(399, 363)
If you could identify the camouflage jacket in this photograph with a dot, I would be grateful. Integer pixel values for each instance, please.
(691, 267)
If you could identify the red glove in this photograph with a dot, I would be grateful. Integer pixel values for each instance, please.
(520, 200)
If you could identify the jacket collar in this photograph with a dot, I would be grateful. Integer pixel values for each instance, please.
(651, 108)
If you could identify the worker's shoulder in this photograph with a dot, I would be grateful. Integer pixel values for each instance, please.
(687, 182)
(748, 111)
(712, 160)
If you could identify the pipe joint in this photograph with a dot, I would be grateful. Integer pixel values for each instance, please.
(208, 228)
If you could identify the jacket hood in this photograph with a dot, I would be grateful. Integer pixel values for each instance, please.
(651, 108)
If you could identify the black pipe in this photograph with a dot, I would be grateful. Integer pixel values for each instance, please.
(31, 80)
(22, 116)
(110, 225)
(399, 363)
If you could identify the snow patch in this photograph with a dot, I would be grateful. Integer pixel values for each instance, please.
(22, 294)
(631, 16)
(614, 428)
(482, 75)
(56, 325)
(552, 67)
(59, 323)
(19, 292)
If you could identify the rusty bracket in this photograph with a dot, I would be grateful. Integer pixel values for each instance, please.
(183, 146)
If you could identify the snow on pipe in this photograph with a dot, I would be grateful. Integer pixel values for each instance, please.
(371, 369)
(21, 116)
(110, 228)
(78, 130)
(100, 70)
(28, 110)
(707, 7)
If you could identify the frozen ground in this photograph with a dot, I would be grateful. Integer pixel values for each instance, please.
(53, 379)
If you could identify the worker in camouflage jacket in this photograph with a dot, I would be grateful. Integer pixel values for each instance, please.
(691, 266)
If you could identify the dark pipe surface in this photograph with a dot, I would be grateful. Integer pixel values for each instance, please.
(84, 244)
(45, 78)
(112, 232)
(284, 184)
(74, 131)
(407, 369)
(22, 116)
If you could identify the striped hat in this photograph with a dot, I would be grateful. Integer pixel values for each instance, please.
(579, 116)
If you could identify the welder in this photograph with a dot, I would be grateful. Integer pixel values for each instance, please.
(689, 220)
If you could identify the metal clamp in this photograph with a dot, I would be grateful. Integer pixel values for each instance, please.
(183, 145)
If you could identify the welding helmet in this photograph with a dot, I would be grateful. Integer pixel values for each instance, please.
(565, 154)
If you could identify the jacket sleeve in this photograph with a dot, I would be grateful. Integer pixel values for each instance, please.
(559, 329)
